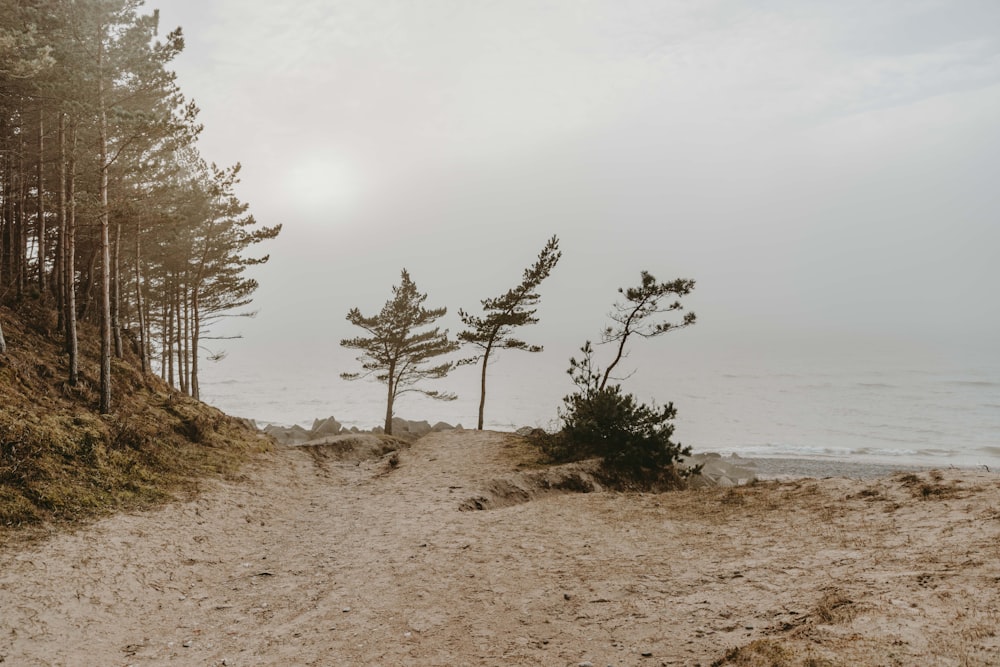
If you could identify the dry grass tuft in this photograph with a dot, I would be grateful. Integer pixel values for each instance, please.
(835, 608)
(929, 486)
(772, 653)
(61, 461)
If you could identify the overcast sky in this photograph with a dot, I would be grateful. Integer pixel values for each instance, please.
(827, 172)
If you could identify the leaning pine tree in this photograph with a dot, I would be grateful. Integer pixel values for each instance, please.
(503, 314)
(632, 439)
(398, 352)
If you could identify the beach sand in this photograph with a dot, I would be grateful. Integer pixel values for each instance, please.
(311, 559)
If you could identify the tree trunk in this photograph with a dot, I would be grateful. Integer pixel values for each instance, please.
(105, 404)
(59, 277)
(7, 261)
(41, 204)
(181, 337)
(116, 320)
(140, 307)
(195, 334)
(168, 336)
(22, 223)
(482, 388)
(69, 280)
(389, 400)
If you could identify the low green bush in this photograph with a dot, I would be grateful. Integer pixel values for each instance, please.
(632, 439)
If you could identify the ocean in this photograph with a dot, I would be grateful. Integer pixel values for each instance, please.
(917, 413)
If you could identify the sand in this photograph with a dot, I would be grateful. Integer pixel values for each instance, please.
(311, 560)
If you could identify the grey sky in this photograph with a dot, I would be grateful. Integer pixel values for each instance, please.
(826, 171)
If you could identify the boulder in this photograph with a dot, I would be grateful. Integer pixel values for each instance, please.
(287, 435)
(413, 428)
(325, 427)
(442, 426)
(717, 471)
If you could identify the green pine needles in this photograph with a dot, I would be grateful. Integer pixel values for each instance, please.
(516, 308)
(632, 439)
(400, 349)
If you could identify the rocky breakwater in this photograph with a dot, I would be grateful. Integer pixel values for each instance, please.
(719, 471)
(329, 427)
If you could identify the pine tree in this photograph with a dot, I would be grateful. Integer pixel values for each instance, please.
(503, 314)
(633, 439)
(98, 164)
(641, 304)
(399, 349)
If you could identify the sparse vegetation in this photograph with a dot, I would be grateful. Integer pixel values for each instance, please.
(759, 653)
(930, 488)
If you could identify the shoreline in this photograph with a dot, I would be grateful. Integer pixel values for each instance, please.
(768, 468)
(785, 468)
(739, 467)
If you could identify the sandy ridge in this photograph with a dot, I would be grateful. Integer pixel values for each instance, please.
(313, 561)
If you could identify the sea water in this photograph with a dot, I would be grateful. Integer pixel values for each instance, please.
(916, 413)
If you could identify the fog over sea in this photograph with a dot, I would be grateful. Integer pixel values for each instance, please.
(911, 411)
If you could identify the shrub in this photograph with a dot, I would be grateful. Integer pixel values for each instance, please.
(632, 439)
(625, 434)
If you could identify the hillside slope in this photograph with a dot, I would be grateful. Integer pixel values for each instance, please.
(60, 460)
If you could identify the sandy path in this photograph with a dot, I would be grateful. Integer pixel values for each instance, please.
(330, 563)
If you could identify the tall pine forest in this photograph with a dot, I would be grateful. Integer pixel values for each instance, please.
(120, 247)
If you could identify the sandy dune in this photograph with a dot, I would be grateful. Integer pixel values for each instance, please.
(315, 561)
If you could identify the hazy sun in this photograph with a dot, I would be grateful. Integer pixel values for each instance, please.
(317, 184)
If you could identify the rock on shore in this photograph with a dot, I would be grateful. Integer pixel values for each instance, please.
(325, 428)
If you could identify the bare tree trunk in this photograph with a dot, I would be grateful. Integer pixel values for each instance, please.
(3, 343)
(195, 334)
(482, 389)
(7, 261)
(116, 325)
(168, 336)
(60, 266)
(105, 405)
(389, 400)
(185, 315)
(69, 281)
(140, 308)
(41, 203)
(22, 224)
